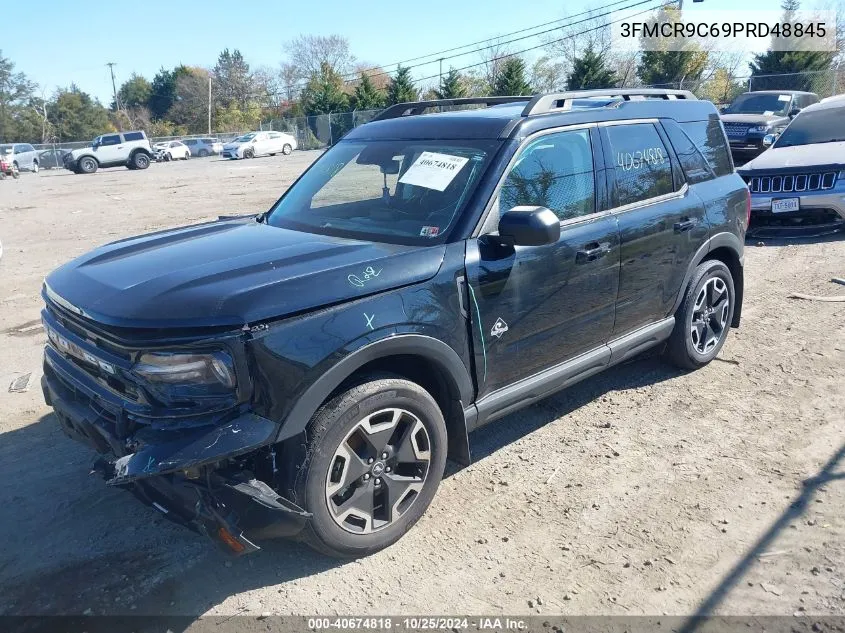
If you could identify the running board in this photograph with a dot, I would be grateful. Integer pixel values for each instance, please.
(530, 390)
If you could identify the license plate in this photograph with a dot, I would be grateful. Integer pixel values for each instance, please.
(785, 205)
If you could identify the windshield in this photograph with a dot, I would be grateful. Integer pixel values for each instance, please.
(6, 149)
(245, 138)
(760, 104)
(819, 126)
(407, 192)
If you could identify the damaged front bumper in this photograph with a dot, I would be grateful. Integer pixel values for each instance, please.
(191, 475)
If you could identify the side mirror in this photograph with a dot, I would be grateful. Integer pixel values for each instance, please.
(529, 226)
(794, 112)
(769, 140)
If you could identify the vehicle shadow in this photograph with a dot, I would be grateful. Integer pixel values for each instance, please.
(793, 511)
(73, 544)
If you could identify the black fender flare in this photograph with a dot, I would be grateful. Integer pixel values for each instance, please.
(719, 240)
(432, 349)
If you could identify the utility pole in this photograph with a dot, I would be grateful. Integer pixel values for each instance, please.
(440, 87)
(114, 91)
(209, 105)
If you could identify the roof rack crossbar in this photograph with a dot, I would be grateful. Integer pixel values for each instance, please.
(418, 107)
(562, 101)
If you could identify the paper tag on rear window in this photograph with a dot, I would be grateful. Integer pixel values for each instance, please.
(784, 98)
(433, 171)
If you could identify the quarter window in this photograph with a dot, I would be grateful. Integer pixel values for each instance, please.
(554, 171)
(134, 136)
(709, 137)
(641, 163)
(695, 166)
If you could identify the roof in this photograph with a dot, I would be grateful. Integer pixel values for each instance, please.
(519, 116)
(830, 103)
(778, 92)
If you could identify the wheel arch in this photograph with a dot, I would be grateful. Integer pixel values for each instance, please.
(728, 249)
(427, 361)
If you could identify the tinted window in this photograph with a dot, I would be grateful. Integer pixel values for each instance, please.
(695, 166)
(134, 136)
(819, 126)
(191, 141)
(554, 171)
(641, 163)
(709, 137)
(28, 148)
(760, 103)
(110, 139)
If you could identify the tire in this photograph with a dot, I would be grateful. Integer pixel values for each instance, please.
(249, 153)
(202, 153)
(140, 160)
(35, 167)
(167, 157)
(703, 320)
(385, 402)
(87, 165)
(287, 149)
(273, 154)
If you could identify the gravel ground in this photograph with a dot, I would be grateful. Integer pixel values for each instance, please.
(642, 491)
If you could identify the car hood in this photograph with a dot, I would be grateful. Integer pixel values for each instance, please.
(755, 119)
(230, 273)
(818, 155)
(233, 145)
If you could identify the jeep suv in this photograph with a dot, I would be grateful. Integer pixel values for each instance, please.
(307, 370)
(124, 149)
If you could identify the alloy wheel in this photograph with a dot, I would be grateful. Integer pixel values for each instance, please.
(378, 471)
(710, 315)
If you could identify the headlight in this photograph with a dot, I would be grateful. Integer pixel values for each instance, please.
(759, 128)
(214, 368)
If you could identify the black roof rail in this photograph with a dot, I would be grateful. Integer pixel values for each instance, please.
(412, 108)
(562, 101)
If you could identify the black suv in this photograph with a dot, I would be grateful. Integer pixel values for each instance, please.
(754, 115)
(307, 371)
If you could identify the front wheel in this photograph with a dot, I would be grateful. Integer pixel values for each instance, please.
(249, 153)
(287, 149)
(87, 165)
(703, 320)
(373, 462)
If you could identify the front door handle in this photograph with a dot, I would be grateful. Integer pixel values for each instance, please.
(591, 252)
(684, 225)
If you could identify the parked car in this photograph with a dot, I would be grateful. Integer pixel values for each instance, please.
(22, 155)
(425, 276)
(52, 158)
(753, 115)
(801, 177)
(259, 144)
(123, 149)
(171, 150)
(7, 167)
(202, 147)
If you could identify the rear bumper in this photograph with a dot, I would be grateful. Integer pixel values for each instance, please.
(176, 471)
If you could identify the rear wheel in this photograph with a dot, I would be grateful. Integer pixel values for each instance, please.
(704, 318)
(202, 153)
(287, 149)
(87, 165)
(374, 460)
(141, 161)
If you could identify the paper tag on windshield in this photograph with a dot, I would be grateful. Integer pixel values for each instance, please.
(784, 98)
(768, 113)
(433, 171)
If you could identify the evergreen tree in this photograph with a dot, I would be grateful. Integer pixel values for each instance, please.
(15, 89)
(232, 81)
(135, 92)
(511, 79)
(367, 96)
(778, 69)
(401, 88)
(163, 91)
(590, 71)
(77, 116)
(323, 93)
(451, 86)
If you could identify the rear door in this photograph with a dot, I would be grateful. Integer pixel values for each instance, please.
(534, 307)
(661, 221)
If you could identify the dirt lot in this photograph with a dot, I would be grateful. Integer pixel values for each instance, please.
(642, 491)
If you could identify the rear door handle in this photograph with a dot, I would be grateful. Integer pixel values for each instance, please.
(591, 252)
(684, 225)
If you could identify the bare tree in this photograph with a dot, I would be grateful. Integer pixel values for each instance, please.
(290, 76)
(492, 58)
(307, 53)
(378, 76)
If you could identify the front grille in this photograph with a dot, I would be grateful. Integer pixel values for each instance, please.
(791, 183)
(736, 129)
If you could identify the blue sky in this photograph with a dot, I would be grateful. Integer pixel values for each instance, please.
(60, 42)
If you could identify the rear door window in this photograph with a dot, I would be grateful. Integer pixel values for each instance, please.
(641, 164)
(709, 137)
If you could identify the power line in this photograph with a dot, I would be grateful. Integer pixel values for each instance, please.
(489, 39)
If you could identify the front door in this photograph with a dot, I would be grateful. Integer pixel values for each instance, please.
(110, 151)
(661, 222)
(534, 307)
